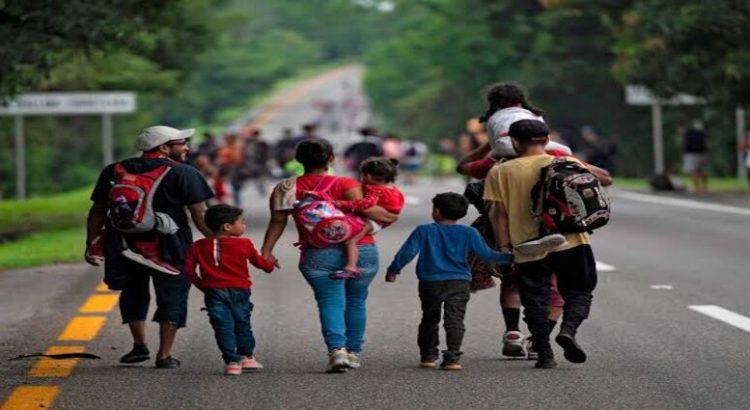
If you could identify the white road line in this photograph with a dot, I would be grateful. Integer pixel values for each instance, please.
(726, 316)
(661, 287)
(603, 267)
(412, 200)
(682, 203)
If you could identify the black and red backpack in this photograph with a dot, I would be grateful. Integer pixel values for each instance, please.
(131, 197)
(569, 199)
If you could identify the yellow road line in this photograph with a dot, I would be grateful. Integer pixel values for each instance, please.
(31, 398)
(82, 328)
(46, 367)
(102, 287)
(99, 304)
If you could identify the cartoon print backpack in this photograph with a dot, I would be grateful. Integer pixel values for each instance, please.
(131, 200)
(316, 213)
(569, 199)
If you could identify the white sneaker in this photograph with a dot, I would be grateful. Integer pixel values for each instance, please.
(544, 244)
(338, 361)
(531, 354)
(513, 344)
(355, 361)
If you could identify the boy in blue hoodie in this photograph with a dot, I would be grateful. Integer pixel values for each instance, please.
(444, 276)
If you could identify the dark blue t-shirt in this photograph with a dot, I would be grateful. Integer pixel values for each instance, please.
(182, 186)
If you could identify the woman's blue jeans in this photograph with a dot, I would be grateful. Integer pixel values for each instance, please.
(341, 302)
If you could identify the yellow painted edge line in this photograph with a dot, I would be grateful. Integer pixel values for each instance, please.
(47, 367)
(99, 303)
(82, 328)
(102, 287)
(31, 398)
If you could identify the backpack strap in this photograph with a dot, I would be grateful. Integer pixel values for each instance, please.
(325, 184)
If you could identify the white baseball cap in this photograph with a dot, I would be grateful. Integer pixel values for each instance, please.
(152, 137)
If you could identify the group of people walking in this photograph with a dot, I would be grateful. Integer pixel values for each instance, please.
(338, 219)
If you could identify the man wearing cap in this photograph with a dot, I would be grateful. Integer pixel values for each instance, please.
(182, 186)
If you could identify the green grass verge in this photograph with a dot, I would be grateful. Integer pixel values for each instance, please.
(22, 218)
(714, 184)
(66, 245)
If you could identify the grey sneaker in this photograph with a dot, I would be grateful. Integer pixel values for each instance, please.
(546, 243)
(355, 360)
(338, 361)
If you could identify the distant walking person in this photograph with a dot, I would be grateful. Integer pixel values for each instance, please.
(695, 156)
(139, 250)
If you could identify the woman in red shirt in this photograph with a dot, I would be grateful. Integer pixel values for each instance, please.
(341, 303)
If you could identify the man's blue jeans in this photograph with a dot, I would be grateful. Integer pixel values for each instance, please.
(341, 302)
(229, 311)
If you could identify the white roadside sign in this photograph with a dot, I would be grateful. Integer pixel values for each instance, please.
(65, 103)
(73, 103)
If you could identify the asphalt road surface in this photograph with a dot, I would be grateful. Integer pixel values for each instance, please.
(669, 329)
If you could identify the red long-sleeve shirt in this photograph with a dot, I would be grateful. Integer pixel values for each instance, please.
(221, 262)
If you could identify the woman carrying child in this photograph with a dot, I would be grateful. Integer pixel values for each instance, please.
(341, 303)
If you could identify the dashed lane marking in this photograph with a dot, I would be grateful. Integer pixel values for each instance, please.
(102, 287)
(98, 303)
(82, 328)
(661, 287)
(604, 267)
(31, 398)
(682, 203)
(412, 200)
(724, 315)
(46, 367)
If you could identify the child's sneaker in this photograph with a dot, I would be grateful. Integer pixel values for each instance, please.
(338, 361)
(233, 369)
(546, 360)
(428, 364)
(546, 243)
(355, 361)
(513, 344)
(250, 363)
(346, 274)
(451, 365)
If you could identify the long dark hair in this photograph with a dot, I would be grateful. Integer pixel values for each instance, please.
(504, 95)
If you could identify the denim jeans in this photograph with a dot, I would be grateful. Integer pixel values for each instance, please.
(341, 302)
(229, 311)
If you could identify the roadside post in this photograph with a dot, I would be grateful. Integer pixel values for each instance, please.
(65, 103)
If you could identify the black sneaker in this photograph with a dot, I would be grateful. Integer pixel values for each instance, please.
(546, 360)
(573, 351)
(139, 354)
(167, 363)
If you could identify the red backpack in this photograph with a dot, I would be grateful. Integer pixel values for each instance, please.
(131, 198)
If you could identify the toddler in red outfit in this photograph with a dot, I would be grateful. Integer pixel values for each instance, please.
(378, 176)
(217, 265)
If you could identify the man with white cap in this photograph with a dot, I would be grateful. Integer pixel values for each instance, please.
(164, 151)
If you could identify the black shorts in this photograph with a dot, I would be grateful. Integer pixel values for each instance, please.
(171, 296)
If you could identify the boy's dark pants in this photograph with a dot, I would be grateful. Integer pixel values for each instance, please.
(450, 296)
(576, 279)
(229, 312)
